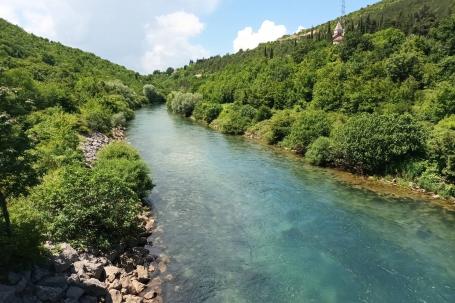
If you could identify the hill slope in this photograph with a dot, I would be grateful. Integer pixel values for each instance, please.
(51, 96)
(379, 103)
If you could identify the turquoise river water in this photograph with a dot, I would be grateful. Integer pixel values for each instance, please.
(243, 223)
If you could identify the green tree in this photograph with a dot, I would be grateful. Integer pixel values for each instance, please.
(152, 94)
(15, 164)
(372, 143)
(307, 127)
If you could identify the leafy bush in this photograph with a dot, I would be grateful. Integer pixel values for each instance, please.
(89, 208)
(152, 94)
(183, 103)
(121, 160)
(320, 152)
(235, 119)
(96, 116)
(55, 138)
(308, 126)
(369, 143)
(263, 113)
(23, 247)
(432, 181)
(207, 112)
(441, 147)
(275, 129)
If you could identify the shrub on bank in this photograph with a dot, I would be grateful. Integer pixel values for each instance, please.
(207, 112)
(307, 127)
(88, 208)
(183, 103)
(371, 143)
(275, 129)
(152, 95)
(123, 161)
(235, 119)
(320, 152)
(23, 247)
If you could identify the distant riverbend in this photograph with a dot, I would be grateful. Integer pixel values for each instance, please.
(243, 223)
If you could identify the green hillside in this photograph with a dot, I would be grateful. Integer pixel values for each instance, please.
(51, 95)
(382, 102)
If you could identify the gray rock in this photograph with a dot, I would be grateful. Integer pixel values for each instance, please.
(142, 274)
(115, 296)
(67, 256)
(74, 293)
(88, 299)
(136, 287)
(30, 299)
(54, 281)
(94, 287)
(112, 272)
(7, 293)
(151, 295)
(133, 299)
(39, 273)
(89, 269)
(68, 252)
(20, 287)
(52, 294)
(73, 279)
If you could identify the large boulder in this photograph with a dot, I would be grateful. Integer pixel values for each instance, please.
(112, 272)
(88, 299)
(63, 261)
(89, 269)
(58, 281)
(39, 272)
(115, 296)
(133, 299)
(7, 293)
(142, 274)
(136, 287)
(74, 293)
(94, 287)
(49, 294)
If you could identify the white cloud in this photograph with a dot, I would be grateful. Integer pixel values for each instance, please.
(249, 39)
(47, 18)
(114, 29)
(168, 39)
(195, 6)
(299, 29)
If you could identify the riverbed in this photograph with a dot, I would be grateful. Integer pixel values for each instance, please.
(245, 223)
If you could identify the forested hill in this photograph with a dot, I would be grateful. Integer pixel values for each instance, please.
(51, 96)
(382, 102)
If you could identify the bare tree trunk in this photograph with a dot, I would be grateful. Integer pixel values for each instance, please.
(5, 214)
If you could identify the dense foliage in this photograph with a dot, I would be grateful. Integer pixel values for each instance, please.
(382, 102)
(51, 95)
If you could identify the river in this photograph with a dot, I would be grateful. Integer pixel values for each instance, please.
(244, 223)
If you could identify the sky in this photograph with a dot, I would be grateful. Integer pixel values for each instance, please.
(146, 35)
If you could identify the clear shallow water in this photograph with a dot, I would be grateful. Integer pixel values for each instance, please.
(245, 224)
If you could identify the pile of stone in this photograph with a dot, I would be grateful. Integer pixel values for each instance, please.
(96, 140)
(131, 274)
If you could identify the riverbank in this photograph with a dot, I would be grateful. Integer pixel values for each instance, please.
(391, 186)
(132, 272)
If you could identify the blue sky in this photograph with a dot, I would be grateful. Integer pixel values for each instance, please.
(153, 34)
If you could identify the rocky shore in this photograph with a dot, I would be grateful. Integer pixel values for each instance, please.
(132, 273)
(95, 141)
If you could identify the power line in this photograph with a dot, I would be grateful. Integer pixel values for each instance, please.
(343, 8)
